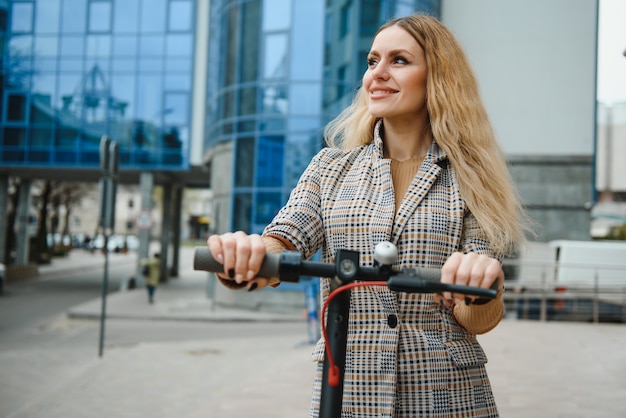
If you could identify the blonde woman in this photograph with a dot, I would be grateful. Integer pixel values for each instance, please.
(413, 161)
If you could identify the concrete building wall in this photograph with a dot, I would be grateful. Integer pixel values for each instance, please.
(611, 149)
(536, 66)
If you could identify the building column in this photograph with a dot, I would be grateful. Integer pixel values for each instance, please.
(165, 230)
(22, 244)
(146, 184)
(4, 198)
(177, 202)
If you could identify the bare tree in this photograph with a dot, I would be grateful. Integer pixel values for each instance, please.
(67, 195)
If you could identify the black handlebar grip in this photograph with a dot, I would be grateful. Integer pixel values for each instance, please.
(203, 260)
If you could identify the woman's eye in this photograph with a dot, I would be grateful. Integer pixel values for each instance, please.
(400, 60)
(371, 62)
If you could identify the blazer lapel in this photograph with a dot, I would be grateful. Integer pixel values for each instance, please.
(423, 181)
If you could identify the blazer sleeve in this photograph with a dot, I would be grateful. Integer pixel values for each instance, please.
(478, 319)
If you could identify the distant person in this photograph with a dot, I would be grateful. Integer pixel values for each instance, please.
(413, 161)
(151, 270)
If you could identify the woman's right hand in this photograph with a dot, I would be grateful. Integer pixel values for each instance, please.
(242, 256)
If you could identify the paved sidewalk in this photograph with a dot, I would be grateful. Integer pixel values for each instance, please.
(537, 369)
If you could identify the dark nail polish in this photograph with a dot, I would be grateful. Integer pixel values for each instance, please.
(231, 273)
(252, 287)
(468, 301)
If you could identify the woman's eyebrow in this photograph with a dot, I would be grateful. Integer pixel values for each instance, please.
(398, 51)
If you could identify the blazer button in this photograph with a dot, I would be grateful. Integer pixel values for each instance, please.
(392, 320)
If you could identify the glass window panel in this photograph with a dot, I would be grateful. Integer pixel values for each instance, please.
(14, 136)
(73, 16)
(242, 212)
(99, 46)
(306, 52)
(153, 16)
(275, 99)
(68, 85)
(72, 46)
(179, 45)
(125, 16)
(172, 146)
(46, 46)
(270, 161)
(122, 65)
(244, 162)
(275, 49)
(149, 98)
(248, 101)
(123, 91)
(178, 82)
(176, 111)
(100, 16)
(249, 57)
(44, 86)
(267, 206)
(272, 124)
(47, 16)
(45, 65)
(345, 19)
(40, 136)
(178, 65)
(66, 136)
(70, 65)
(313, 103)
(125, 46)
(21, 46)
(150, 65)
(104, 66)
(22, 17)
(180, 16)
(151, 45)
(40, 111)
(16, 107)
(276, 15)
(370, 15)
(303, 124)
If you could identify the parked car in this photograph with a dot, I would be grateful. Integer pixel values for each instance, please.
(117, 243)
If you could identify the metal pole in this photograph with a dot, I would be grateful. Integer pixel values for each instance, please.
(105, 289)
(337, 331)
(596, 301)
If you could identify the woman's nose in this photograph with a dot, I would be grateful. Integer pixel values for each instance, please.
(380, 71)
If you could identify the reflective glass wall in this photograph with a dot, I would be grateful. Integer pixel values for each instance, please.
(264, 95)
(349, 28)
(278, 71)
(75, 70)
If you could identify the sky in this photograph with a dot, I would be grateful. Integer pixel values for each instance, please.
(611, 46)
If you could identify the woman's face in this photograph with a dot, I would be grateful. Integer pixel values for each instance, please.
(395, 79)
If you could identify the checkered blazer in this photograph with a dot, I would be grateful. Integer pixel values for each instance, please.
(427, 365)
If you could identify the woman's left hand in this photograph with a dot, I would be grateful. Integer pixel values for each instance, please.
(470, 269)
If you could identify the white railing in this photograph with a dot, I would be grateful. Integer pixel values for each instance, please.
(552, 290)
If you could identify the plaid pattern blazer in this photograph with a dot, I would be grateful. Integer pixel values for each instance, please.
(426, 365)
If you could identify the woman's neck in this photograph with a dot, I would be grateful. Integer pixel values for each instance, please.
(406, 142)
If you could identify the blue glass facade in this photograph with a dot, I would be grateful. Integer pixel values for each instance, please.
(349, 28)
(264, 96)
(75, 70)
(278, 71)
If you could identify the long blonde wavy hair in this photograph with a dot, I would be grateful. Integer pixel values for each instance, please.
(460, 126)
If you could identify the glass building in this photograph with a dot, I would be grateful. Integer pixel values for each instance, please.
(278, 71)
(74, 70)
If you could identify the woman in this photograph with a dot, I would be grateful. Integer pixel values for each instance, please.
(413, 161)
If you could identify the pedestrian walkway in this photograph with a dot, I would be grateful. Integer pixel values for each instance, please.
(536, 369)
